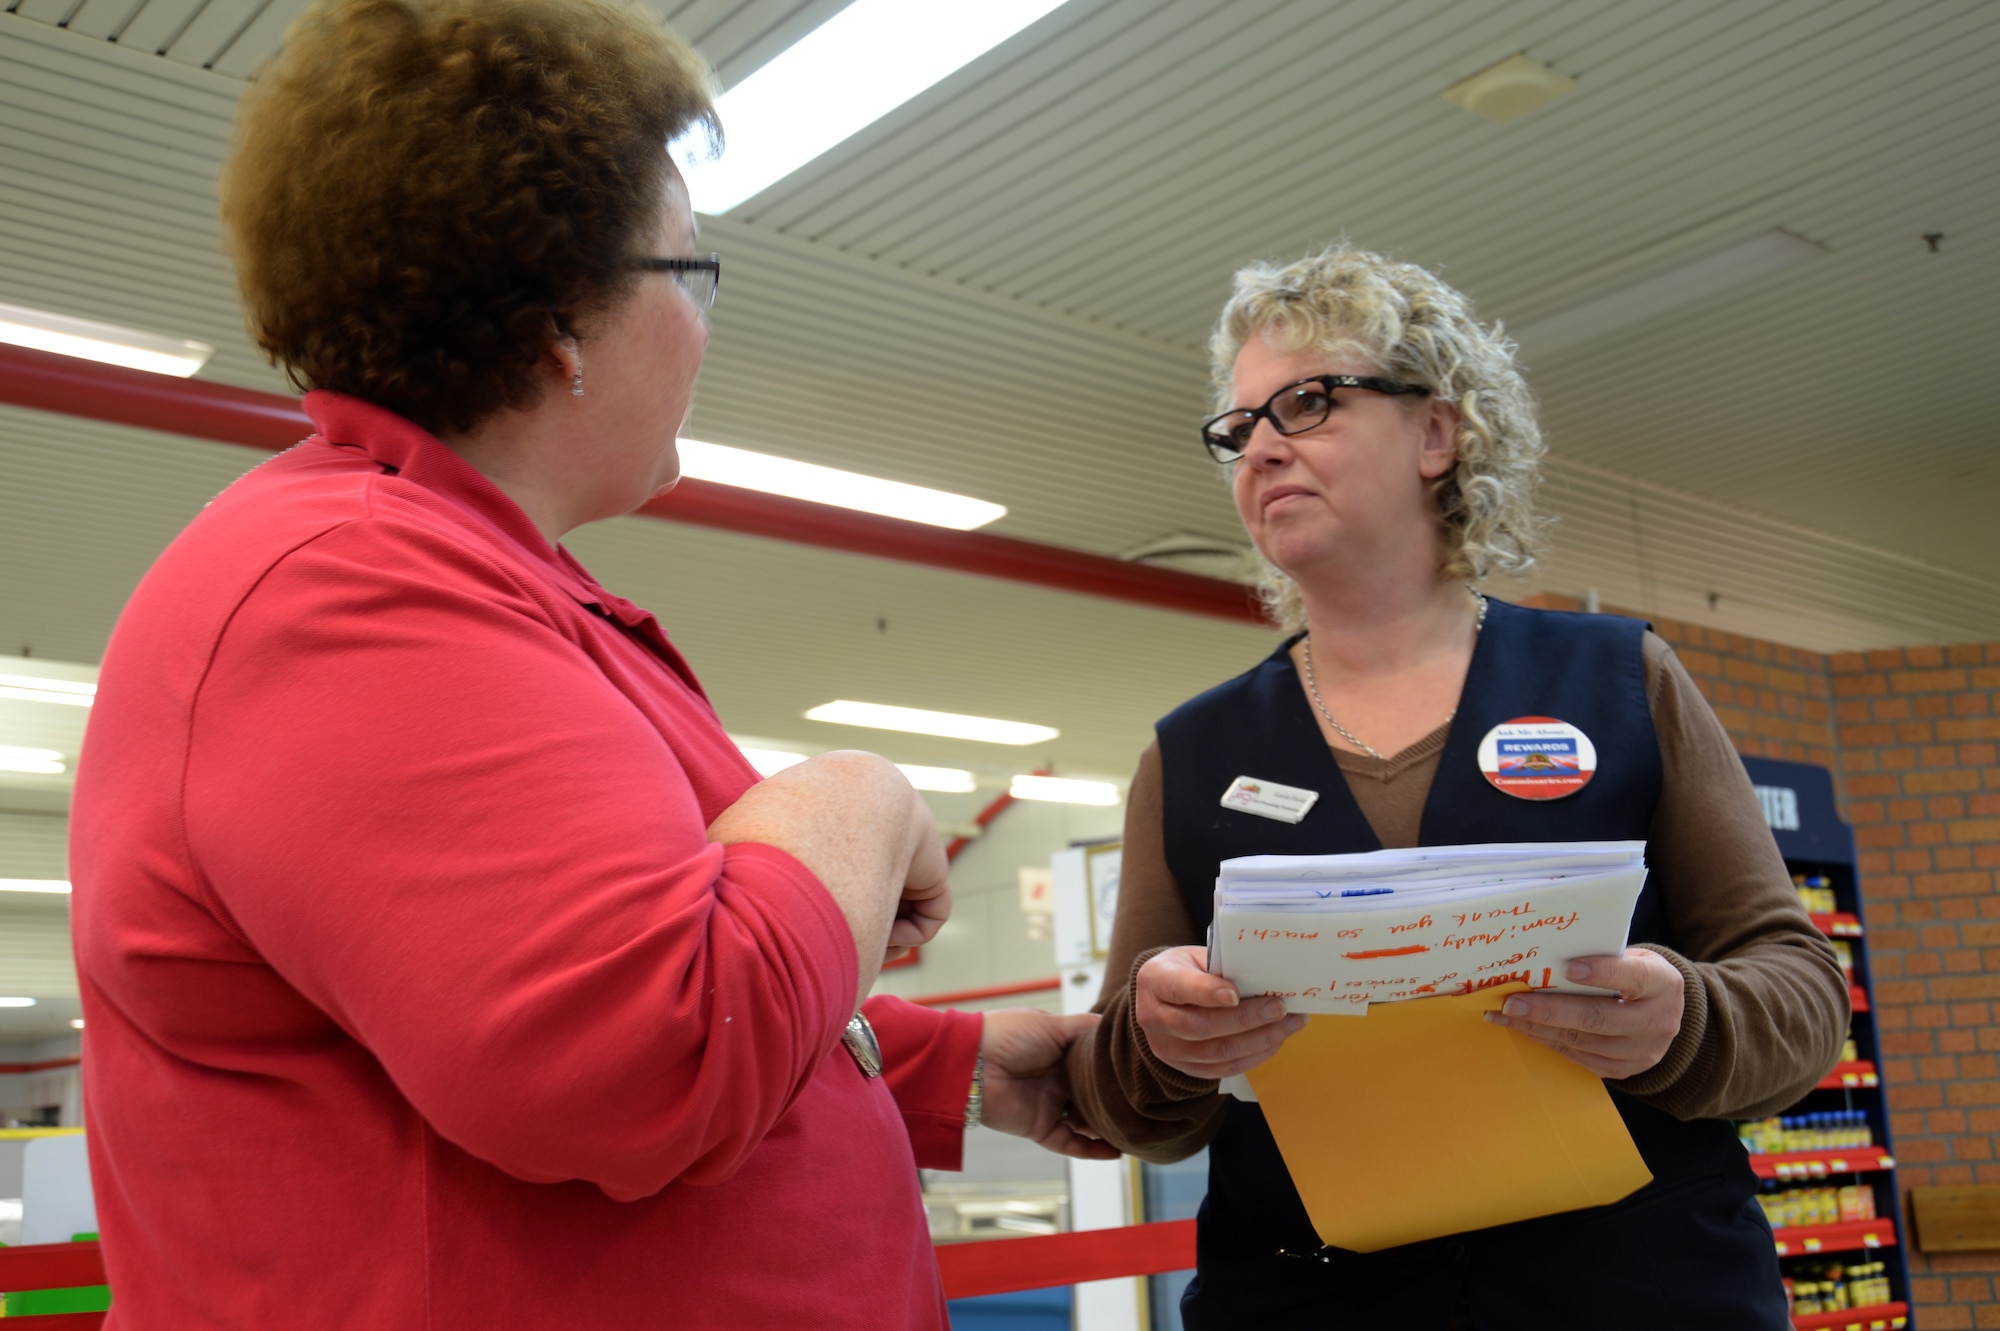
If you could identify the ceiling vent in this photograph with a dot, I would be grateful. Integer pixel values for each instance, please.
(1207, 556)
(1509, 90)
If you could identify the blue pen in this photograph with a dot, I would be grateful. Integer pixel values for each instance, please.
(1368, 892)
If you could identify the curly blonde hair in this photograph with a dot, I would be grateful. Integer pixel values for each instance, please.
(420, 189)
(1416, 329)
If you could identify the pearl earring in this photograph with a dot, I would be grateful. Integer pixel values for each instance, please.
(576, 383)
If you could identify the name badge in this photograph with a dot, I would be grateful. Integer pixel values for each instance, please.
(1537, 758)
(1268, 799)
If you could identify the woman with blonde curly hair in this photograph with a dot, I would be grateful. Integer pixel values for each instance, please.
(446, 964)
(1383, 452)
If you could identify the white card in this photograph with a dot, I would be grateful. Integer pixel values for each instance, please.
(1394, 925)
(1268, 799)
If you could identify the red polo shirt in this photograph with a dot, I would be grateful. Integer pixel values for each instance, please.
(417, 995)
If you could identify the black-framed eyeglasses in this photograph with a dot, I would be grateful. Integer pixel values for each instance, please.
(1293, 409)
(700, 277)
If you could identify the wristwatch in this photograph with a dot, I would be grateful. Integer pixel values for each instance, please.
(975, 1099)
(859, 1037)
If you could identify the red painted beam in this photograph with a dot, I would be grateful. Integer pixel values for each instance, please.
(1000, 1266)
(112, 393)
(66, 1061)
(754, 513)
(205, 410)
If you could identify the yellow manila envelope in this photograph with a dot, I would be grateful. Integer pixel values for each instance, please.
(1422, 1119)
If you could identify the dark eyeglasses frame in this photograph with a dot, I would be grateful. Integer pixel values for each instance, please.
(707, 263)
(1223, 450)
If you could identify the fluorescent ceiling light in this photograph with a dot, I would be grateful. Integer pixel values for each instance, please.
(846, 74)
(34, 885)
(108, 343)
(951, 725)
(41, 762)
(1684, 284)
(16, 1002)
(830, 485)
(76, 1023)
(769, 761)
(1063, 790)
(35, 688)
(947, 780)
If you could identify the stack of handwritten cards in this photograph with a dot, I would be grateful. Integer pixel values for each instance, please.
(1334, 933)
(1408, 1120)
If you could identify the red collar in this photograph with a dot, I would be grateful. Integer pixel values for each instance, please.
(416, 455)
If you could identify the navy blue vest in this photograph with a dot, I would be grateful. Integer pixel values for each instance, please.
(1260, 1262)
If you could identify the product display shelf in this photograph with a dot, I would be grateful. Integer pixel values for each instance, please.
(1800, 1165)
(1817, 846)
(1851, 1076)
(1882, 1317)
(1846, 1236)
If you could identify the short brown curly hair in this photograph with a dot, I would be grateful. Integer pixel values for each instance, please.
(420, 188)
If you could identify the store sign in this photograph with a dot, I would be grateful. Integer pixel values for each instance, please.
(1781, 806)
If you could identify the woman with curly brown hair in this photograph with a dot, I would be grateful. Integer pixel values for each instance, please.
(445, 963)
(1383, 453)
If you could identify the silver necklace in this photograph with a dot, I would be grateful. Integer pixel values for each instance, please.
(1312, 685)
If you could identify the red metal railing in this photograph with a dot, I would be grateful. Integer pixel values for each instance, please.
(1000, 1266)
(990, 991)
(968, 1270)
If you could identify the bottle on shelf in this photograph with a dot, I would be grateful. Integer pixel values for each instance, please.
(1836, 1288)
(1791, 1208)
(1831, 1130)
(1815, 893)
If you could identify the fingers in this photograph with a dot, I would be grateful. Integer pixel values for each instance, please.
(1609, 1059)
(1637, 973)
(1028, 1041)
(1076, 1026)
(1576, 1012)
(1064, 1141)
(1648, 1006)
(1175, 991)
(1180, 976)
(918, 918)
(1199, 1024)
(1614, 1036)
(1231, 1067)
(1223, 1056)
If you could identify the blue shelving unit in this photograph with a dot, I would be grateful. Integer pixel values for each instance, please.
(1799, 805)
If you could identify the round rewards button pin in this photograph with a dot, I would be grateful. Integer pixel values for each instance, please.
(1537, 758)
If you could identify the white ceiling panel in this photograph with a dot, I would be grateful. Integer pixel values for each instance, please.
(1002, 289)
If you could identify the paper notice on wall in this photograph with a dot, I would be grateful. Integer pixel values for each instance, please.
(1335, 933)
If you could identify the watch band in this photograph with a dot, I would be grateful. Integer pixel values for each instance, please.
(975, 1099)
(859, 1037)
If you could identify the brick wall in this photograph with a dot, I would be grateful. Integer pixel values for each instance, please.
(1913, 738)
(1917, 735)
(1775, 701)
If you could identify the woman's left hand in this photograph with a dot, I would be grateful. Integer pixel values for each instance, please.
(1025, 1092)
(1614, 1036)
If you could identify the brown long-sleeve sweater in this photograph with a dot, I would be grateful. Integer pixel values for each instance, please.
(1766, 1003)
